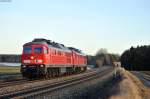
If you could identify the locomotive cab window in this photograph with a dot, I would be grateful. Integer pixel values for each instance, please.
(27, 50)
(38, 50)
(45, 50)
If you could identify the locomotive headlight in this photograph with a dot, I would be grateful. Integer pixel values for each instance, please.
(32, 57)
(42, 65)
(24, 66)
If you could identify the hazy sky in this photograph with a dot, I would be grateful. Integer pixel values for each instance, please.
(85, 24)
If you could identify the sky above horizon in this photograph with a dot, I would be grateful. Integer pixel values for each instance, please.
(85, 24)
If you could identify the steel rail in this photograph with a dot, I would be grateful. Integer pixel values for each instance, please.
(9, 83)
(143, 77)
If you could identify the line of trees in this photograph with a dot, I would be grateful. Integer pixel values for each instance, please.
(136, 58)
(10, 58)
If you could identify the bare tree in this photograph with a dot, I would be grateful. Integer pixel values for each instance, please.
(101, 51)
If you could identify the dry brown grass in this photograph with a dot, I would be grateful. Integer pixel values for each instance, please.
(130, 87)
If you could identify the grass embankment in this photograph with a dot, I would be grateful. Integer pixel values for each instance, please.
(9, 69)
(129, 87)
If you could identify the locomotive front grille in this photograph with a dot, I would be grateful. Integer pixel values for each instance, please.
(33, 69)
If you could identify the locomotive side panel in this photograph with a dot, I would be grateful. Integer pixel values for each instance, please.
(60, 58)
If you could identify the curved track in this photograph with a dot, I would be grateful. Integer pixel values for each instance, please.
(56, 85)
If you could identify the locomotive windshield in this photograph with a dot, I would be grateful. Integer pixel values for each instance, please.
(27, 50)
(38, 50)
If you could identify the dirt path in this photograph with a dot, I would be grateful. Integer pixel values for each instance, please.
(128, 87)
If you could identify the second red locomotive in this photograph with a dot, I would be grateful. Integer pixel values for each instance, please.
(43, 58)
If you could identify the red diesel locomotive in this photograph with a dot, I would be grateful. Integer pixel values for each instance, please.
(43, 58)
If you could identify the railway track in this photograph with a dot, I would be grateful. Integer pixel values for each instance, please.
(10, 83)
(23, 81)
(17, 82)
(56, 85)
(143, 77)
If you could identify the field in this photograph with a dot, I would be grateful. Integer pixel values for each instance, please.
(9, 69)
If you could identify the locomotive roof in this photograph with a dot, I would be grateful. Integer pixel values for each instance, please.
(51, 44)
(54, 45)
(76, 50)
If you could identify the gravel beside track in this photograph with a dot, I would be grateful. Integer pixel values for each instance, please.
(95, 88)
